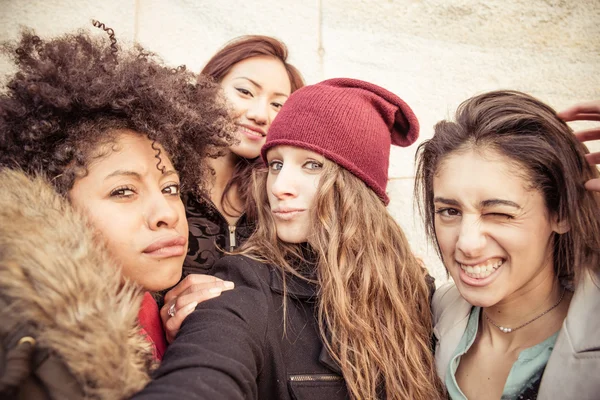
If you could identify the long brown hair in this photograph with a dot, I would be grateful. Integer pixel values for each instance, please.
(530, 134)
(240, 49)
(373, 305)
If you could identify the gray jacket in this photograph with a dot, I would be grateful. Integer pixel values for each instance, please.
(573, 371)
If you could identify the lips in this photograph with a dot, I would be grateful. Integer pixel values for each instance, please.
(287, 214)
(483, 269)
(252, 132)
(167, 247)
(482, 273)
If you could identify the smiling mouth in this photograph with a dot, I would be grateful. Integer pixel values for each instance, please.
(251, 132)
(483, 270)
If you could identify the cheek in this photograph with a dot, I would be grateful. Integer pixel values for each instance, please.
(312, 188)
(182, 225)
(527, 245)
(447, 238)
(118, 234)
(272, 115)
(237, 105)
(268, 187)
(117, 227)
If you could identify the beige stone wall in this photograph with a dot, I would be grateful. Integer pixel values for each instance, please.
(433, 53)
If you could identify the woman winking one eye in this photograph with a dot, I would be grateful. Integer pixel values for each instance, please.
(501, 190)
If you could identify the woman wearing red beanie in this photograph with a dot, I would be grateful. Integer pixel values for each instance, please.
(330, 302)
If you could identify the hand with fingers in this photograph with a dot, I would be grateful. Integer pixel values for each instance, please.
(589, 111)
(183, 299)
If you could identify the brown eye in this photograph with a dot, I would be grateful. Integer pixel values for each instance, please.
(122, 192)
(173, 189)
(448, 212)
(243, 91)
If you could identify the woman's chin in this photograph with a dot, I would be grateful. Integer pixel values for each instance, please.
(247, 150)
(478, 297)
(167, 278)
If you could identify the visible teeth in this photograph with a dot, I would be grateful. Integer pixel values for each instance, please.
(250, 131)
(482, 270)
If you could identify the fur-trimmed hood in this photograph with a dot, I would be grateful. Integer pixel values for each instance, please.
(55, 276)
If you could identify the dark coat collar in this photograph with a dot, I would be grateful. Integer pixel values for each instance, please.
(302, 290)
(296, 287)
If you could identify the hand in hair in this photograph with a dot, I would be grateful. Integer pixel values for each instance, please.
(185, 296)
(589, 111)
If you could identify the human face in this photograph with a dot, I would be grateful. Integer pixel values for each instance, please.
(256, 88)
(494, 231)
(292, 183)
(137, 210)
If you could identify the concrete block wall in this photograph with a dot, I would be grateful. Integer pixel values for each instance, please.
(432, 53)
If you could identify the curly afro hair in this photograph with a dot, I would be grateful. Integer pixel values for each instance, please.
(73, 93)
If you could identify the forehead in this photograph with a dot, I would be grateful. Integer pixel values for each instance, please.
(128, 149)
(264, 70)
(480, 173)
(293, 152)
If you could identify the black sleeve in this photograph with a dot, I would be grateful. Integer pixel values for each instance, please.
(219, 350)
(430, 281)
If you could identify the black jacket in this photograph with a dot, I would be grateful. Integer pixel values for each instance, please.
(235, 346)
(210, 234)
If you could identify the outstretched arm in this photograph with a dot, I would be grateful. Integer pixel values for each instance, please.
(218, 352)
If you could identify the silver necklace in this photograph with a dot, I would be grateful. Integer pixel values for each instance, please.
(509, 330)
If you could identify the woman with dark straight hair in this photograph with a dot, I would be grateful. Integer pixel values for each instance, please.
(256, 80)
(502, 193)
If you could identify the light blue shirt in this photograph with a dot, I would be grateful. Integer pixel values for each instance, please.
(525, 371)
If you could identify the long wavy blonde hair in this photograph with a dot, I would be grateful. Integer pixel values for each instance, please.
(373, 300)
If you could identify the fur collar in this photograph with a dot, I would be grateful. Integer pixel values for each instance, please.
(56, 276)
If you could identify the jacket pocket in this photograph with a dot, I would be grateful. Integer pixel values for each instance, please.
(317, 386)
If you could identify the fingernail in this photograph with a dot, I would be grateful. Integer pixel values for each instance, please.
(228, 285)
(190, 307)
(215, 290)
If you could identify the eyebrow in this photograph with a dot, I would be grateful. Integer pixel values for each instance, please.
(445, 201)
(121, 172)
(259, 86)
(499, 202)
(483, 204)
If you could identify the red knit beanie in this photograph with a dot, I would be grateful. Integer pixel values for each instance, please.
(350, 122)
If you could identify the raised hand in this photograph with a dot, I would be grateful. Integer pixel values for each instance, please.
(589, 111)
(183, 299)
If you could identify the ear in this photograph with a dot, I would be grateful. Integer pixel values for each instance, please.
(560, 227)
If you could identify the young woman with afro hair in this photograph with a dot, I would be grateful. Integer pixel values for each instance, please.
(96, 142)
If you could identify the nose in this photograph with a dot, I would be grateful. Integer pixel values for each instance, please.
(283, 185)
(472, 238)
(162, 212)
(258, 111)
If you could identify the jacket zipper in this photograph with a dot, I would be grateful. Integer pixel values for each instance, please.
(315, 378)
(232, 243)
